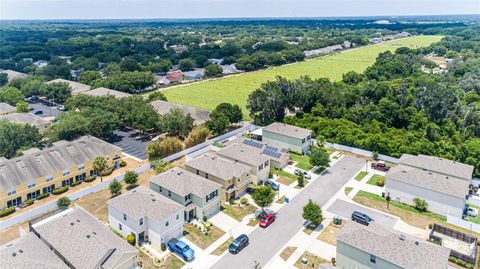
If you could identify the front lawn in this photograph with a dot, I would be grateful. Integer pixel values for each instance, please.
(253, 222)
(303, 162)
(360, 176)
(285, 177)
(312, 261)
(238, 212)
(287, 252)
(222, 247)
(329, 234)
(202, 240)
(348, 190)
(172, 262)
(377, 180)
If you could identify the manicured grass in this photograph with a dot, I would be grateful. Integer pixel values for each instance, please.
(238, 212)
(253, 222)
(285, 177)
(218, 251)
(235, 89)
(348, 190)
(313, 261)
(472, 219)
(373, 180)
(303, 161)
(172, 262)
(287, 252)
(201, 239)
(360, 176)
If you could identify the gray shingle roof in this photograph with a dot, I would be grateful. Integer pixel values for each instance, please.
(25, 118)
(29, 252)
(439, 165)
(143, 202)
(244, 153)
(287, 130)
(6, 108)
(106, 92)
(163, 107)
(75, 86)
(84, 241)
(13, 74)
(218, 166)
(283, 152)
(182, 182)
(429, 180)
(410, 253)
(61, 156)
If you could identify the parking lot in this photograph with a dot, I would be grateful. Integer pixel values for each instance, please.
(129, 144)
(345, 209)
(47, 111)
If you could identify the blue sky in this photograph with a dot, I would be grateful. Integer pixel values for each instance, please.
(134, 9)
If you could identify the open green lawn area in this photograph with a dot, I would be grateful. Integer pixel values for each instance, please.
(238, 212)
(285, 177)
(374, 178)
(360, 176)
(201, 239)
(235, 89)
(472, 219)
(303, 162)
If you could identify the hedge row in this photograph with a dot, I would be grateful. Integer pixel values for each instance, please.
(60, 190)
(7, 211)
(107, 172)
(75, 183)
(43, 196)
(90, 179)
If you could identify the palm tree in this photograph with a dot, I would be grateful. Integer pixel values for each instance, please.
(99, 165)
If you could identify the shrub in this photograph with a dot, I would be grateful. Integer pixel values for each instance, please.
(380, 181)
(430, 226)
(90, 179)
(63, 202)
(461, 263)
(163, 246)
(244, 201)
(107, 172)
(115, 187)
(375, 156)
(452, 259)
(123, 163)
(131, 239)
(43, 196)
(420, 205)
(232, 202)
(383, 194)
(7, 211)
(75, 183)
(29, 202)
(60, 190)
(470, 266)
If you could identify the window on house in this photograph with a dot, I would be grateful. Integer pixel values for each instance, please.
(160, 189)
(141, 221)
(373, 258)
(12, 192)
(169, 193)
(120, 226)
(124, 216)
(49, 178)
(81, 167)
(66, 173)
(206, 175)
(166, 223)
(198, 172)
(177, 217)
(238, 180)
(31, 185)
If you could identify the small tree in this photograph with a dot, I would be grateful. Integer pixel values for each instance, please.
(158, 165)
(159, 149)
(63, 202)
(131, 178)
(420, 204)
(388, 199)
(319, 157)
(313, 213)
(213, 70)
(300, 180)
(115, 187)
(99, 165)
(131, 239)
(263, 196)
(198, 135)
(375, 156)
(22, 107)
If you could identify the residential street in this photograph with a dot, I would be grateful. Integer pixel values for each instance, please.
(346, 208)
(264, 243)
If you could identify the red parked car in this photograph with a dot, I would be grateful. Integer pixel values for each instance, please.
(380, 167)
(266, 220)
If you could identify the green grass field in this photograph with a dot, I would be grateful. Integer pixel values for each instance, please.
(235, 89)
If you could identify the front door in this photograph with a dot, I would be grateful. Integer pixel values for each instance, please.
(141, 238)
(191, 214)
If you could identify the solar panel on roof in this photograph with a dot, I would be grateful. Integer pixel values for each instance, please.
(271, 151)
(252, 143)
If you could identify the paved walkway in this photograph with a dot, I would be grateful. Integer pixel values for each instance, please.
(263, 246)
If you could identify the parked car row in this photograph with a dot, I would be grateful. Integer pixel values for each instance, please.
(380, 167)
(305, 174)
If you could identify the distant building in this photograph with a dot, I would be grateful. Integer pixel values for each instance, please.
(382, 22)
(230, 69)
(162, 80)
(41, 171)
(42, 124)
(199, 196)
(106, 92)
(6, 109)
(278, 156)
(442, 183)
(175, 77)
(13, 74)
(28, 60)
(215, 61)
(233, 176)
(76, 73)
(322, 51)
(179, 48)
(288, 137)
(374, 246)
(347, 44)
(75, 86)
(195, 74)
(148, 215)
(41, 63)
(83, 242)
(164, 107)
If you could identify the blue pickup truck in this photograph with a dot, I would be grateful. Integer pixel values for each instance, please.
(182, 249)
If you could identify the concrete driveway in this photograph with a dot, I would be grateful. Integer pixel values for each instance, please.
(345, 209)
(265, 243)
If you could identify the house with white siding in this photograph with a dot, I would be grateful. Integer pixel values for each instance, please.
(288, 137)
(146, 214)
(442, 183)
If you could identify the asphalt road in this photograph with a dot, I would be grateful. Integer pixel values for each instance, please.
(265, 243)
(130, 145)
(345, 209)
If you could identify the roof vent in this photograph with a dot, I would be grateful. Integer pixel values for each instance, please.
(88, 236)
(21, 251)
(71, 223)
(78, 220)
(94, 233)
(14, 254)
(446, 177)
(416, 243)
(402, 237)
(153, 200)
(429, 173)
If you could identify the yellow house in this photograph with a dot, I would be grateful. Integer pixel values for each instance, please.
(42, 124)
(233, 176)
(41, 171)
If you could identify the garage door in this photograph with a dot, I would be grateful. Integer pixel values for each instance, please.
(178, 231)
(154, 238)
